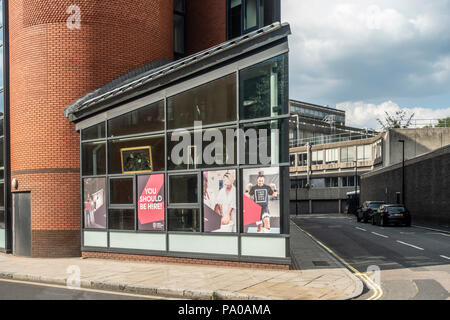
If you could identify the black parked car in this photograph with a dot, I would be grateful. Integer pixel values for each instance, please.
(392, 214)
(367, 210)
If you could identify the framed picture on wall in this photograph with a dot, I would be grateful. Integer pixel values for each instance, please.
(136, 160)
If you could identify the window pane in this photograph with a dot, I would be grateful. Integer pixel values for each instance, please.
(292, 160)
(94, 132)
(94, 158)
(2, 163)
(2, 104)
(1, 61)
(251, 17)
(146, 119)
(351, 154)
(263, 89)
(187, 220)
(121, 219)
(94, 199)
(130, 155)
(211, 103)
(184, 154)
(269, 148)
(360, 153)
(121, 191)
(2, 219)
(2, 195)
(178, 5)
(178, 33)
(235, 19)
(183, 189)
(367, 153)
(271, 12)
(344, 155)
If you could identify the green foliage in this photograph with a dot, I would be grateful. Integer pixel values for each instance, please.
(443, 123)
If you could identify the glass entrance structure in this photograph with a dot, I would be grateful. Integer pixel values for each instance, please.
(192, 159)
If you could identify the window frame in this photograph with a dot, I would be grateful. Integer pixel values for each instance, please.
(209, 76)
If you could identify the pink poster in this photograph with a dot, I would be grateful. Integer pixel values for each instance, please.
(151, 202)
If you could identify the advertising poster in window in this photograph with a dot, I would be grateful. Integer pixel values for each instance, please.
(94, 200)
(151, 202)
(219, 201)
(261, 200)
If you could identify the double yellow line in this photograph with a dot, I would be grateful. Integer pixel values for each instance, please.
(377, 291)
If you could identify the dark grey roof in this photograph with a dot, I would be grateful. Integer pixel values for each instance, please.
(315, 106)
(159, 73)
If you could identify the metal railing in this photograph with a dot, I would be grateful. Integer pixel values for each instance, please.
(426, 123)
(326, 139)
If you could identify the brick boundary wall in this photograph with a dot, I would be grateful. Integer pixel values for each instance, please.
(427, 187)
(160, 259)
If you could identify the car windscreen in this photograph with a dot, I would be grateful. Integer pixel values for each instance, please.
(375, 205)
(396, 209)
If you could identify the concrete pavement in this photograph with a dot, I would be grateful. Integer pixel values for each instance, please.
(320, 277)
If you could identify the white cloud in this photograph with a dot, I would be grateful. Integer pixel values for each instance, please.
(365, 115)
(377, 50)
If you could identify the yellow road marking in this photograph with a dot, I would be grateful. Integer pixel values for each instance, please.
(378, 292)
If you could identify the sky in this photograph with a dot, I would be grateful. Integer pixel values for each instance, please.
(368, 57)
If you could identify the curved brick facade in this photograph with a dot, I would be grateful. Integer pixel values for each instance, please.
(50, 67)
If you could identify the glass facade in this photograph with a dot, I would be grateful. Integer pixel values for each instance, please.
(263, 89)
(248, 15)
(156, 160)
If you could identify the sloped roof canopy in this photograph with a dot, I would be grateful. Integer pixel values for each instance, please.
(159, 74)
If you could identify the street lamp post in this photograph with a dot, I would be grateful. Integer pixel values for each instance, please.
(403, 170)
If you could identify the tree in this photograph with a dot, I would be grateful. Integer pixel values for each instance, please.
(443, 123)
(397, 121)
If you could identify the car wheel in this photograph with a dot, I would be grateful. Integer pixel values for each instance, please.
(408, 224)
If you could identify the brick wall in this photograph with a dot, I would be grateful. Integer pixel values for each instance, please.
(50, 67)
(205, 24)
(143, 258)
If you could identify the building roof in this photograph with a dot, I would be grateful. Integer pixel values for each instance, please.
(316, 106)
(160, 73)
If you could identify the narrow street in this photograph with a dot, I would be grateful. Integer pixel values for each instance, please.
(414, 262)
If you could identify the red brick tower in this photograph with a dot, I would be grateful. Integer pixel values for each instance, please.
(52, 65)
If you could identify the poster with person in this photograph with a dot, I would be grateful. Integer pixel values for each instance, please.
(151, 202)
(94, 201)
(219, 201)
(261, 202)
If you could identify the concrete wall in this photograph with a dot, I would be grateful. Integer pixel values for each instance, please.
(427, 187)
(417, 142)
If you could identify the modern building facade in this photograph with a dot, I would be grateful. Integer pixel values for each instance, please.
(314, 124)
(129, 77)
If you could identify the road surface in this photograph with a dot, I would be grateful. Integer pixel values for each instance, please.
(414, 262)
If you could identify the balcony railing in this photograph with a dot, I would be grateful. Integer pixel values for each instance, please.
(326, 139)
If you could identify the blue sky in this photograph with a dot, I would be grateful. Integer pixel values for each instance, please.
(368, 57)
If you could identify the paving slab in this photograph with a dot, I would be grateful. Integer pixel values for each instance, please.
(197, 282)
